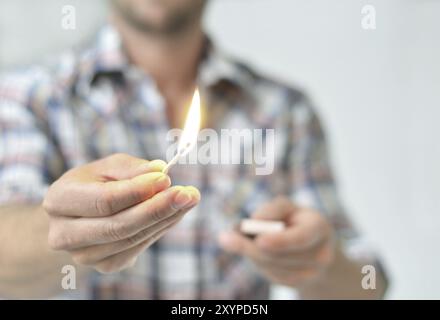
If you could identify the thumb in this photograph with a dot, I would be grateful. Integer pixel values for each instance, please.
(123, 166)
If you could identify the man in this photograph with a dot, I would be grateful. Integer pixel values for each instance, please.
(75, 188)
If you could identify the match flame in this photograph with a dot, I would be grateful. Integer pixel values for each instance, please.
(191, 128)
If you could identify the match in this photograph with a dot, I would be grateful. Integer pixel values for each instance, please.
(253, 227)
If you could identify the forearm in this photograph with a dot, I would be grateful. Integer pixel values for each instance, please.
(343, 280)
(28, 268)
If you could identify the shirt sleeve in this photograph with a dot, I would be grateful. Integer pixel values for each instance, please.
(23, 144)
(314, 186)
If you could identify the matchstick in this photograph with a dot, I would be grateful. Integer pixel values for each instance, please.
(254, 227)
(171, 163)
(176, 158)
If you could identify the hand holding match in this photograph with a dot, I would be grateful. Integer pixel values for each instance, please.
(289, 245)
(105, 217)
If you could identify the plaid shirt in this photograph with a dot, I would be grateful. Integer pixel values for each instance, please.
(94, 103)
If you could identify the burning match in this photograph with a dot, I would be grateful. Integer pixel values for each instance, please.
(191, 129)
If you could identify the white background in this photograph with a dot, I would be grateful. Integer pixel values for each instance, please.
(377, 91)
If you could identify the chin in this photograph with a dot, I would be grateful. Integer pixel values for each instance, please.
(160, 16)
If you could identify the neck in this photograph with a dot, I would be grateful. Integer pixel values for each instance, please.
(171, 60)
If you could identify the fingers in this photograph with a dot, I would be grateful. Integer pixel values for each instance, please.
(279, 209)
(99, 199)
(78, 233)
(123, 166)
(291, 257)
(93, 254)
(307, 230)
(118, 195)
(120, 261)
(154, 210)
(106, 212)
(303, 230)
(235, 243)
(106, 186)
(127, 258)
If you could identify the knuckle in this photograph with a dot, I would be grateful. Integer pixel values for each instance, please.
(59, 241)
(104, 203)
(115, 230)
(155, 237)
(137, 195)
(157, 214)
(53, 241)
(48, 205)
(53, 202)
(139, 237)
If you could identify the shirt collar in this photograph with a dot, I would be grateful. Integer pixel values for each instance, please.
(107, 57)
(217, 66)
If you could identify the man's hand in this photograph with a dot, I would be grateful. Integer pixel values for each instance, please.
(293, 257)
(107, 212)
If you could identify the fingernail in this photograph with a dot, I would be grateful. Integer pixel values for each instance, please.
(164, 180)
(183, 199)
(156, 165)
(159, 178)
